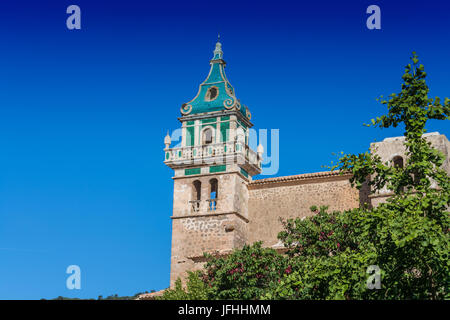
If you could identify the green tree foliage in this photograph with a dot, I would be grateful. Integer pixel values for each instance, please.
(406, 237)
(244, 274)
(195, 289)
(327, 257)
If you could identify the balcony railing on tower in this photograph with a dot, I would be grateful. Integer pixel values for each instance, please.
(225, 151)
(212, 204)
(208, 205)
(195, 205)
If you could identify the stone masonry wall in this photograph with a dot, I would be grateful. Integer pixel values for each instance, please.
(191, 237)
(196, 232)
(290, 197)
(394, 146)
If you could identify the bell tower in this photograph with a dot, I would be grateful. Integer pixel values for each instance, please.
(212, 169)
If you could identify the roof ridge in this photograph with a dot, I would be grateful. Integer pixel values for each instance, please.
(302, 176)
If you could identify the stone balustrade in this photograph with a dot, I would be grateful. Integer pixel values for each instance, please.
(212, 153)
(195, 205)
(209, 205)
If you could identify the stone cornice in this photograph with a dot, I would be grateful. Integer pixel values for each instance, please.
(206, 115)
(306, 177)
(211, 214)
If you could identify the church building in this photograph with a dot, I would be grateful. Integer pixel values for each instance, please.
(217, 206)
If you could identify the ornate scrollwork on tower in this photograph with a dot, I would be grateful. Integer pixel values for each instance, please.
(247, 113)
(186, 108)
(229, 103)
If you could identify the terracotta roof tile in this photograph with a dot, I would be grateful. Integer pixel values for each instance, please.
(304, 176)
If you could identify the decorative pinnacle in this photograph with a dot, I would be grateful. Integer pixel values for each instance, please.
(260, 150)
(218, 53)
(167, 140)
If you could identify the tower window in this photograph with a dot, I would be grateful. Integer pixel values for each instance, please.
(197, 189)
(214, 193)
(214, 188)
(196, 195)
(212, 94)
(398, 162)
(207, 136)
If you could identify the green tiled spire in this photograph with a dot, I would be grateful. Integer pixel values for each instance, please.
(215, 93)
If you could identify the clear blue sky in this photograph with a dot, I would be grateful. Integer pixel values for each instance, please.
(83, 115)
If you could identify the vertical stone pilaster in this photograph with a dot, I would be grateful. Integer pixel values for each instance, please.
(183, 134)
(233, 126)
(197, 137)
